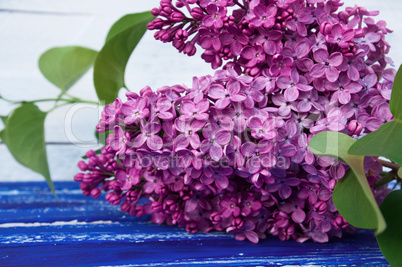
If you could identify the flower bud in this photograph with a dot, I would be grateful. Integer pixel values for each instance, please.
(90, 154)
(113, 198)
(355, 128)
(215, 217)
(155, 11)
(340, 222)
(82, 166)
(197, 13)
(320, 207)
(78, 177)
(177, 17)
(237, 223)
(192, 227)
(125, 207)
(95, 193)
(156, 206)
(86, 189)
(189, 49)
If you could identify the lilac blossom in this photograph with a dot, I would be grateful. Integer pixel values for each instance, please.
(230, 153)
(253, 55)
(189, 133)
(215, 17)
(196, 111)
(332, 122)
(380, 115)
(134, 110)
(235, 38)
(239, 115)
(148, 135)
(226, 95)
(219, 176)
(344, 88)
(282, 184)
(295, 209)
(259, 155)
(326, 64)
(162, 109)
(262, 128)
(118, 140)
(264, 16)
(129, 178)
(214, 140)
(293, 84)
(340, 36)
(234, 153)
(280, 65)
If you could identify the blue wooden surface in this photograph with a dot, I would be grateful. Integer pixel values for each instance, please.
(37, 230)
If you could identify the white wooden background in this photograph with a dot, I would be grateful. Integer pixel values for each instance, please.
(30, 27)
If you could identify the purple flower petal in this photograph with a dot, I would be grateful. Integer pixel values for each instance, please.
(298, 216)
(154, 142)
(222, 137)
(221, 181)
(139, 140)
(215, 151)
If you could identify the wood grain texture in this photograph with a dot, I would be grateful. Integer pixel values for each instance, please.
(36, 230)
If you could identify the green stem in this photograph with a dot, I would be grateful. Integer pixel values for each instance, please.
(385, 180)
(68, 101)
(78, 100)
(57, 106)
(391, 165)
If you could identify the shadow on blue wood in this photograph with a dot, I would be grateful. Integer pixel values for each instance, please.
(36, 229)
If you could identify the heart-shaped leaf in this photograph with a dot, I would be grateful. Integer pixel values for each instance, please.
(390, 241)
(360, 214)
(386, 141)
(24, 136)
(110, 64)
(64, 66)
(352, 195)
(395, 105)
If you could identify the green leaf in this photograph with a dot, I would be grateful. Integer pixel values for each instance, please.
(2, 136)
(395, 105)
(127, 22)
(352, 195)
(25, 138)
(64, 66)
(390, 241)
(360, 214)
(110, 64)
(386, 141)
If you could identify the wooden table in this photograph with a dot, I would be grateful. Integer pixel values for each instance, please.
(38, 230)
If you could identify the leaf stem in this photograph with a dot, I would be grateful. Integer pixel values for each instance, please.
(391, 165)
(68, 101)
(385, 180)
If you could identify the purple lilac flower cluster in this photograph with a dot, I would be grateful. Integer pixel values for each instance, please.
(230, 153)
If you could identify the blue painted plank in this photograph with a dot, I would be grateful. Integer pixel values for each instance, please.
(121, 240)
(33, 202)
